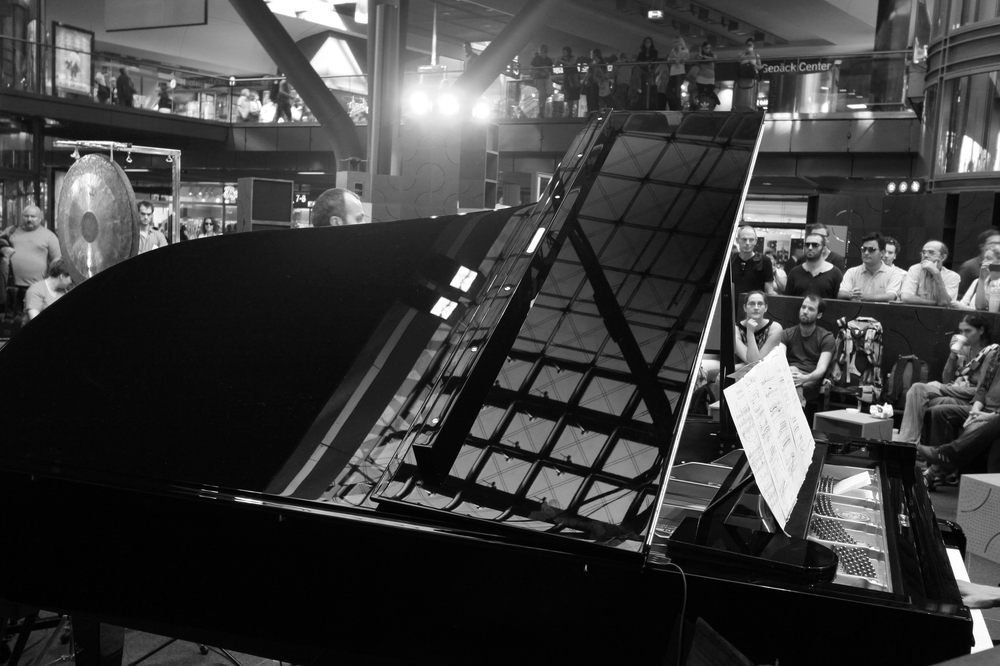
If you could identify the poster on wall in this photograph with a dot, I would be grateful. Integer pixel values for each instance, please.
(72, 54)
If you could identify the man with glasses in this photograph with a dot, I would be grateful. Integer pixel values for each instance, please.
(751, 270)
(816, 275)
(149, 237)
(929, 282)
(828, 254)
(969, 271)
(872, 280)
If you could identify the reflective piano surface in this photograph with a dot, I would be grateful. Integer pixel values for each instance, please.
(449, 432)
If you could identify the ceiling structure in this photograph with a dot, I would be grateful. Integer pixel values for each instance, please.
(784, 27)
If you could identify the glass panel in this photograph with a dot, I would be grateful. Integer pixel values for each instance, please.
(971, 124)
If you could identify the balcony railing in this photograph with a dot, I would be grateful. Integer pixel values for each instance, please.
(815, 85)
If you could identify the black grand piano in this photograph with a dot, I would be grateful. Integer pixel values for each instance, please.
(450, 440)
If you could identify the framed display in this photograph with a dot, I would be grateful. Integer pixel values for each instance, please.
(72, 59)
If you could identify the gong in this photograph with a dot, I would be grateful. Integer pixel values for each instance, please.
(96, 217)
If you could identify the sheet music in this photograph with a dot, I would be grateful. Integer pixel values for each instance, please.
(773, 430)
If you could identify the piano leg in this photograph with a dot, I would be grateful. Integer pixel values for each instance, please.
(97, 644)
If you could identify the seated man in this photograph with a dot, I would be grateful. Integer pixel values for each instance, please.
(981, 430)
(808, 347)
(929, 282)
(872, 280)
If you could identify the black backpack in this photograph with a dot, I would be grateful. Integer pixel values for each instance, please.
(908, 370)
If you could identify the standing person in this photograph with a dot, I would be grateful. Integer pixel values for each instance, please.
(892, 250)
(872, 280)
(745, 94)
(596, 85)
(281, 96)
(248, 107)
(164, 103)
(646, 56)
(678, 56)
(623, 81)
(929, 282)
(35, 247)
(103, 89)
(337, 207)
(816, 275)
(751, 270)
(706, 98)
(571, 82)
(541, 72)
(149, 238)
(207, 229)
(834, 258)
(470, 55)
(124, 88)
(47, 291)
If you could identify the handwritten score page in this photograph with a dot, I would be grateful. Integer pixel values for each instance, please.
(773, 430)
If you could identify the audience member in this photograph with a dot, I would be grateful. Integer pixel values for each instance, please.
(541, 73)
(969, 270)
(745, 89)
(833, 257)
(815, 275)
(678, 71)
(207, 229)
(754, 331)
(967, 360)
(808, 347)
(597, 86)
(103, 85)
(644, 59)
(704, 79)
(248, 107)
(470, 54)
(623, 81)
(872, 280)
(751, 270)
(337, 207)
(892, 250)
(980, 430)
(47, 291)
(571, 82)
(929, 282)
(149, 238)
(780, 276)
(977, 296)
(124, 88)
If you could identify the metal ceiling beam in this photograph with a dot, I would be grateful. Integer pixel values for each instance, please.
(334, 120)
(519, 32)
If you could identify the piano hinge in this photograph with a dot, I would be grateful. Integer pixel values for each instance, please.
(904, 520)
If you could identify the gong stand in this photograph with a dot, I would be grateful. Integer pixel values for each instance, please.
(173, 157)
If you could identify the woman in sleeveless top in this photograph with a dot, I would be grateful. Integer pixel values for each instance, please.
(765, 332)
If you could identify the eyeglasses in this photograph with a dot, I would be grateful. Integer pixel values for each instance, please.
(814, 244)
(929, 253)
(868, 250)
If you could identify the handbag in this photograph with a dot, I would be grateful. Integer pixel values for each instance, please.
(747, 70)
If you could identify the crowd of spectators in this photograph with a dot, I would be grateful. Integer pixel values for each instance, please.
(681, 77)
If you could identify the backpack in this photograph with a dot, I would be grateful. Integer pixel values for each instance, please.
(907, 371)
(857, 358)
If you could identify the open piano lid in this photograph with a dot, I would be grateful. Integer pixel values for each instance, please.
(308, 364)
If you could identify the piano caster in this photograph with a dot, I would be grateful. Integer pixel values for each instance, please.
(202, 649)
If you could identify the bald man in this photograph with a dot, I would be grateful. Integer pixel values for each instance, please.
(929, 282)
(35, 247)
(337, 207)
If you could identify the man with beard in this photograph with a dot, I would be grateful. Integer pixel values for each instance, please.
(929, 282)
(808, 348)
(816, 275)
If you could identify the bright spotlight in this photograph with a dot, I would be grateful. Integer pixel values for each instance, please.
(904, 187)
(890, 187)
(448, 104)
(420, 103)
(915, 186)
(481, 111)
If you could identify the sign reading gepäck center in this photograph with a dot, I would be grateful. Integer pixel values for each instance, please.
(797, 67)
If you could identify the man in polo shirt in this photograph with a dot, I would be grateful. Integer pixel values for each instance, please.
(149, 238)
(751, 270)
(892, 252)
(872, 280)
(817, 275)
(929, 282)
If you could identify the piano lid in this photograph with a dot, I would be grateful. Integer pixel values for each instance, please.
(527, 366)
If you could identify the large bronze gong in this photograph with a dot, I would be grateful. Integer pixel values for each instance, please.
(96, 217)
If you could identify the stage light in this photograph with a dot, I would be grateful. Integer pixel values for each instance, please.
(481, 111)
(915, 186)
(904, 187)
(890, 187)
(420, 103)
(448, 104)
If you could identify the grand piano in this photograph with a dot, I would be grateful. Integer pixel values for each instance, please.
(450, 440)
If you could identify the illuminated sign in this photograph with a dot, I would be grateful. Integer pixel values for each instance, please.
(300, 201)
(797, 67)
